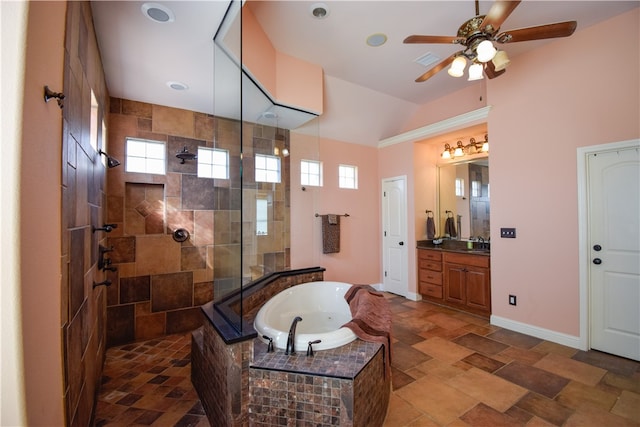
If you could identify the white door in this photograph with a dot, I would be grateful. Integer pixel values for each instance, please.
(614, 250)
(394, 236)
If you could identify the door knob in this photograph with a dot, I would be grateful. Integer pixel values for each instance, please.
(597, 248)
(401, 243)
(597, 261)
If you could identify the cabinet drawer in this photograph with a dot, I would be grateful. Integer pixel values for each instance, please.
(467, 259)
(429, 255)
(429, 276)
(430, 265)
(430, 290)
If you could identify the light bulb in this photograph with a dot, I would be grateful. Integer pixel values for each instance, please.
(501, 60)
(457, 67)
(486, 51)
(475, 72)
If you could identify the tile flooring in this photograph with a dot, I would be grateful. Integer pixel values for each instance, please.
(449, 369)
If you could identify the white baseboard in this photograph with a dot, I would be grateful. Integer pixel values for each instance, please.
(413, 296)
(535, 331)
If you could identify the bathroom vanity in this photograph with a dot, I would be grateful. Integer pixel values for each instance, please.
(456, 277)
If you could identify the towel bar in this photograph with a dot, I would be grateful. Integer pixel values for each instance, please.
(317, 215)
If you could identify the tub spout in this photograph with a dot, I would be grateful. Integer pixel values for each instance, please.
(291, 339)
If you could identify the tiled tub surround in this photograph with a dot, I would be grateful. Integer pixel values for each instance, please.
(345, 386)
(160, 283)
(229, 372)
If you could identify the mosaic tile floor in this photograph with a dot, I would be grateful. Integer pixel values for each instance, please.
(449, 368)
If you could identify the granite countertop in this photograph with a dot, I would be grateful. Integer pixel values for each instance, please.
(457, 246)
(342, 362)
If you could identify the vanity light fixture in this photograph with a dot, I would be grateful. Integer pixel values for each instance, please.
(473, 147)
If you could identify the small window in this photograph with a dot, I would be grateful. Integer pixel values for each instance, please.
(267, 168)
(475, 189)
(459, 187)
(262, 216)
(93, 130)
(213, 163)
(145, 156)
(311, 173)
(348, 176)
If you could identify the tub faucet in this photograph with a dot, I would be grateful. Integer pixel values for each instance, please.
(291, 339)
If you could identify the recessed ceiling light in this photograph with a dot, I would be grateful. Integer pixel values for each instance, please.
(319, 10)
(158, 13)
(377, 39)
(177, 85)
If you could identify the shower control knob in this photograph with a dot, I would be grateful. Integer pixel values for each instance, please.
(597, 261)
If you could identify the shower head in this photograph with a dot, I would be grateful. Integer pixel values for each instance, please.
(185, 155)
(111, 162)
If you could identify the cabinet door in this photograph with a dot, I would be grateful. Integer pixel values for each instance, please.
(478, 291)
(454, 283)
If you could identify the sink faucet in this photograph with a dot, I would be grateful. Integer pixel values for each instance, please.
(291, 339)
(481, 240)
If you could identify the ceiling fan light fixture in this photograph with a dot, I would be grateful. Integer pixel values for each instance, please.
(475, 72)
(457, 67)
(501, 60)
(485, 51)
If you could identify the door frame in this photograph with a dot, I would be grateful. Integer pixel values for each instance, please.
(583, 232)
(405, 260)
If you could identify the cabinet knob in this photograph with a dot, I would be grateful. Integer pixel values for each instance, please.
(401, 243)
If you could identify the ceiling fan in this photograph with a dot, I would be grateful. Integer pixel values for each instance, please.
(477, 36)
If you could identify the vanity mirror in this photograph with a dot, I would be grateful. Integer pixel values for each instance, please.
(463, 195)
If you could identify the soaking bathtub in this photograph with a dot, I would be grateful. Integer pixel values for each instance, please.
(323, 310)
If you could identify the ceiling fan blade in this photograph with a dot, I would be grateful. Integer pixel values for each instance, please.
(435, 70)
(490, 70)
(433, 39)
(548, 31)
(500, 10)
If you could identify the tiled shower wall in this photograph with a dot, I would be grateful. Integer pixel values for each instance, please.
(160, 283)
(83, 200)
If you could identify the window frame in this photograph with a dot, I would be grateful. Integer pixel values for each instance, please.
(342, 178)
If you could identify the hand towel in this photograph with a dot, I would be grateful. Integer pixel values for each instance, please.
(330, 234)
(450, 227)
(371, 318)
(431, 228)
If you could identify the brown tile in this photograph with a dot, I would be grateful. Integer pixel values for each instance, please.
(173, 121)
(493, 391)
(405, 335)
(545, 408)
(482, 415)
(443, 350)
(399, 379)
(183, 320)
(400, 413)
(528, 357)
(124, 249)
(515, 339)
(193, 258)
(571, 369)
(593, 416)
(171, 291)
(609, 362)
(150, 326)
(576, 394)
(135, 108)
(202, 293)
(534, 379)
(483, 362)
(134, 289)
(480, 344)
(628, 406)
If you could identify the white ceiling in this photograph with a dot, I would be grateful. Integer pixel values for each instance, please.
(369, 91)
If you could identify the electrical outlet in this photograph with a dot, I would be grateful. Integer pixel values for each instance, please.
(508, 233)
(512, 300)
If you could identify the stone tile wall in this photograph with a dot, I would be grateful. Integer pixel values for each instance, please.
(160, 283)
(83, 200)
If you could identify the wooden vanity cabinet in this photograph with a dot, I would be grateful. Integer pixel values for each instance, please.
(455, 279)
(430, 273)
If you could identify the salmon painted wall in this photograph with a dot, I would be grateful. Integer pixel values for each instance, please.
(40, 187)
(288, 80)
(574, 92)
(359, 258)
